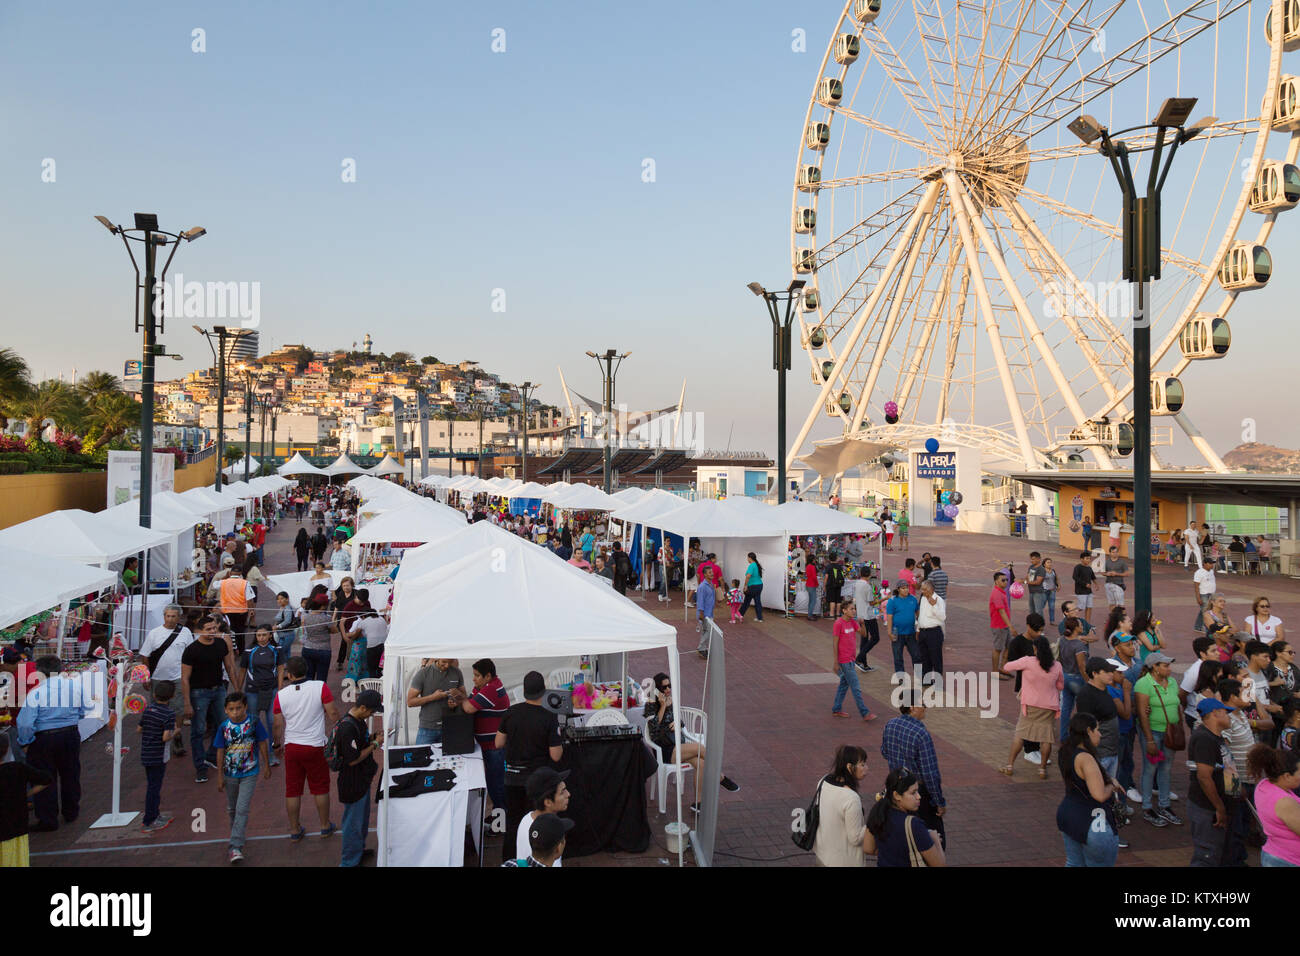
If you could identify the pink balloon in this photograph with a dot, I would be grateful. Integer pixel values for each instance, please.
(1017, 590)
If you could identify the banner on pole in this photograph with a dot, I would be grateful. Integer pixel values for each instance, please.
(124, 475)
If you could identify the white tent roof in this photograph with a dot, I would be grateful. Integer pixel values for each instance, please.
(343, 465)
(241, 490)
(708, 518)
(80, 536)
(582, 498)
(269, 484)
(389, 466)
(439, 552)
(463, 483)
(630, 496)
(436, 481)
(419, 521)
(508, 485)
(386, 496)
(215, 503)
(197, 507)
(298, 465)
(530, 490)
(653, 505)
(168, 514)
(230, 471)
(804, 517)
(554, 609)
(36, 582)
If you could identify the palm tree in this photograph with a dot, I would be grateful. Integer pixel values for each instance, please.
(15, 381)
(109, 416)
(50, 399)
(95, 384)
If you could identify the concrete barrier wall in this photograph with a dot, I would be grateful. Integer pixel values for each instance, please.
(23, 497)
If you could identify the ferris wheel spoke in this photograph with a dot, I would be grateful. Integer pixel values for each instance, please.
(920, 145)
(923, 349)
(893, 218)
(956, 319)
(1028, 323)
(888, 176)
(1140, 141)
(1057, 102)
(916, 96)
(940, 57)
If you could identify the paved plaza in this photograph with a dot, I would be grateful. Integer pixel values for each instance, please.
(780, 736)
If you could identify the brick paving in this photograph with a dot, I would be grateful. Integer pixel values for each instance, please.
(779, 739)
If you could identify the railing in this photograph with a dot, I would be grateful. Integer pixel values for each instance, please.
(193, 458)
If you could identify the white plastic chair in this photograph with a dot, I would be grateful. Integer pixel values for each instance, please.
(561, 676)
(371, 683)
(606, 718)
(695, 724)
(663, 771)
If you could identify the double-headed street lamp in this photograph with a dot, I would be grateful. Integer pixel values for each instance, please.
(248, 416)
(219, 354)
(608, 372)
(781, 352)
(1141, 221)
(526, 389)
(146, 225)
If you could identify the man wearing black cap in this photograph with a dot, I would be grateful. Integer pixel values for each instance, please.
(1093, 698)
(1214, 785)
(548, 794)
(356, 746)
(530, 736)
(545, 841)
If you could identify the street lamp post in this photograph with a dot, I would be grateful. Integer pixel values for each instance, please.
(608, 372)
(248, 417)
(219, 353)
(526, 388)
(781, 352)
(146, 224)
(1141, 221)
(275, 409)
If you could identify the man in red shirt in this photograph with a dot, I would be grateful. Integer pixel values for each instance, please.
(844, 645)
(810, 582)
(1000, 623)
(259, 539)
(488, 704)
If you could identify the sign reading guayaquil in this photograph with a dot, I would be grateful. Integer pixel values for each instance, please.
(940, 464)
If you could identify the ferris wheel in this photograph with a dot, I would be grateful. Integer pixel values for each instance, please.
(962, 249)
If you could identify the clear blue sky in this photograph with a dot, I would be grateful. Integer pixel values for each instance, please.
(475, 171)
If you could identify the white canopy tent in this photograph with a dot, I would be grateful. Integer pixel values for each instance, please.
(528, 490)
(37, 582)
(343, 465)
(219, 508)
(237, 468)
(389, 466)
(241, 490)
(581, 498)
(419, 522)
(298, 465)
(76, 535)
(806, 518)
(456, 611)
(445, 549)
(630, 496)
(168, 516)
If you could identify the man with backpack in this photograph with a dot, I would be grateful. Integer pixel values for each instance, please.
(622, 568)
(350, 751)
(834, 583)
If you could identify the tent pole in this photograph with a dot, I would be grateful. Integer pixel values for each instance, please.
(64, 610)
(675, 669)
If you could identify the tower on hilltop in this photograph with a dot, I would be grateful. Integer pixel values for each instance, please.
(366, 344)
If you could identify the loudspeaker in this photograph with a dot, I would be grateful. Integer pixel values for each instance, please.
(558, 702)
(457, 734)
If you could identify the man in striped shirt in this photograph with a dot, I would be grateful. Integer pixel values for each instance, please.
(489, 704)
(938, 577)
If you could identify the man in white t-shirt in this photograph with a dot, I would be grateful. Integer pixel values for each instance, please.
(1115, 528)
(169, 664)
(548, 794)
(1205, 588)
(1191, 545)
(299, 714)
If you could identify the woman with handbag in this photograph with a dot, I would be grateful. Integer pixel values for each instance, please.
(841, 836)
(1163, 733)
(895, 834)
(1089, 835)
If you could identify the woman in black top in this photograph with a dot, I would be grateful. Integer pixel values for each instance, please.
(895, 834)
(302, 548)
(660, 722)
(1086, 817)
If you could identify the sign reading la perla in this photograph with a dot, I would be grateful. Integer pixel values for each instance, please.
(939, 464)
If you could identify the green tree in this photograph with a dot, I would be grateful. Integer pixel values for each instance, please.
(52, 400)
(15, 381)
(95, 384)
(430, 360)
(401, 358)
(109, 416)
(233, 454)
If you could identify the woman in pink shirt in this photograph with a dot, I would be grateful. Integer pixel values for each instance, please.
(1041, 682)
(1278, 772)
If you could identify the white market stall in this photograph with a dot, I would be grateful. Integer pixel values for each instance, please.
(416, 523)
(298, 465)
(170, 516)
(389, 466)
(220, 509)
(646, 515)
(456, 611)
(343, 465)
(806, 519)
(236, 469)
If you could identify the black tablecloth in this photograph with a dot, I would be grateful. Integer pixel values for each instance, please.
(607, 795)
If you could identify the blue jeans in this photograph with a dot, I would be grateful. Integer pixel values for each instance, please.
(1156, 774)
(356, 821)
(239, 799)
(814, 607)
(1049, 597)
(427, 735)
(849, 682)
(1073, 685)
(870, 638)
(913, 650)
(209, 704)
(1100, 850)
(259, 705)
(753, 595)
(1125, 774)
(1109, 765)
(1268, 859)
(494, 768)
(318, 663)
(153, 776)
(1037, 602)
(286, 638)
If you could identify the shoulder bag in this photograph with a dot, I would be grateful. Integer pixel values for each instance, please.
(157, 655)
(1175, 732)
(914, 857)
(806, 837)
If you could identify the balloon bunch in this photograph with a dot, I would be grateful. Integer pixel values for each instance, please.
(891, 413)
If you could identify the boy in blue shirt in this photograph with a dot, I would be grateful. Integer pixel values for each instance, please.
(239, 742)
(900, 618)
(157, 728)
